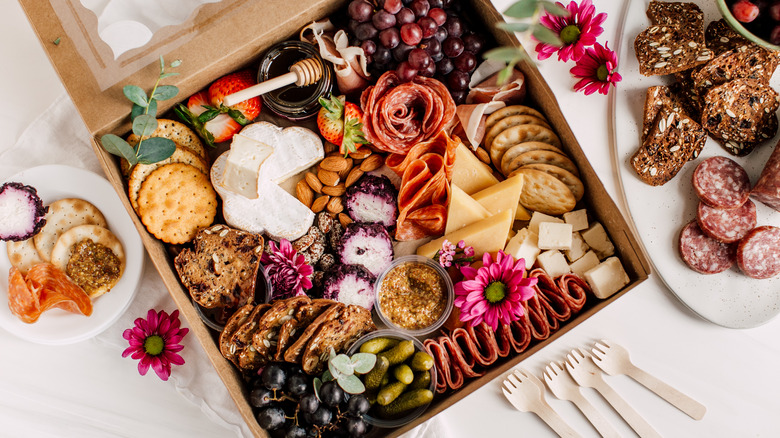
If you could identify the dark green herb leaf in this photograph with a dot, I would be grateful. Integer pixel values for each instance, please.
(165, 92)
(514, 27)
(115, 145)
(238, 116)
(155, 149)
(175, 63)
(136, 95)
(167, 75)
(554, 9)
(522, 9)
(138, 110)
(144, 125)
(504, 54)
(545, 35)
(208, 115)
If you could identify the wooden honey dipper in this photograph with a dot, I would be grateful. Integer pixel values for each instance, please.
(302, 73)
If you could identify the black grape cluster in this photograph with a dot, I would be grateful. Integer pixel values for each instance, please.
(286, 405)
(417, 37)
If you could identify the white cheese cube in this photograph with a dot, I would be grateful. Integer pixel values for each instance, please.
(554, 236)
(578, 219)
(578, 247)
(523, 245)
(538, 218)
(607, 278)
(554, 263)
(244, 159)
(597, 239)
(585, 263)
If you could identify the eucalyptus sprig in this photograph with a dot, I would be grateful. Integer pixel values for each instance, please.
(342, 369)
(529, 11)
(143, 114)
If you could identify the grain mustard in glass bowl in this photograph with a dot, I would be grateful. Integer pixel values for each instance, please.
(763, 30)
(414, 295)
(418, 393)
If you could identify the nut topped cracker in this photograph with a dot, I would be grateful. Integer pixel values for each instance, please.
(686, 16)
(720, 37)
(748, 61)
(742, 110)
(663, 50)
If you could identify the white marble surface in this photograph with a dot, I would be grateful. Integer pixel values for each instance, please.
(87, 389)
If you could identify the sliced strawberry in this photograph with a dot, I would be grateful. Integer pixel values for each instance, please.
(212, 125)
(230, 84)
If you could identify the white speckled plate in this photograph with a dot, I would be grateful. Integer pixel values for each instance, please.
(56, 326)
(730, 299)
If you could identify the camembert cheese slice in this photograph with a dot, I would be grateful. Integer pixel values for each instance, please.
(463, 210)
(487, 235)
(470, 174)
(242, 168)
(502, 196)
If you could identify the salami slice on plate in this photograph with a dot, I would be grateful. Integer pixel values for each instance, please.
(727, 225)
(721, 182)
(702, 253)
(758, 254)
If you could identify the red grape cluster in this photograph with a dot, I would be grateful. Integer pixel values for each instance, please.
(417, 37)
(760, 17)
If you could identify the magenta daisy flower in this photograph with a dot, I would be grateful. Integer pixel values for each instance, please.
(596, 70)
(494, 292)
(576, 31)
(156, 342)
(287, 270)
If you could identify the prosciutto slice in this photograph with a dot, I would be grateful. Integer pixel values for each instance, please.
(44, 287)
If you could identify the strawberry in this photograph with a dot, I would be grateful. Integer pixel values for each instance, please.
(230, 84)
(340, 122)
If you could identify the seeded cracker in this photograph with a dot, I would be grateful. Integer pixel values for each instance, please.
(662, 50)
(687, 17)
(742, 110)
(687, 94)
(749, 61)
(720, 37)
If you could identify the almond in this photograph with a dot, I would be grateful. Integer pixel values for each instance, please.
(361, 153)
(334, 164)
(304, 193)
(335, 206)
(327, 177)
(373, 162)
(313, 182)
(329, 147)
(320, 203)
(344, 219)
(343, 173)
(336, 190)
(353, 176)
(483, 155)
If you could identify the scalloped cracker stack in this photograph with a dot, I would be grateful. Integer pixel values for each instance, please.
(63, 215)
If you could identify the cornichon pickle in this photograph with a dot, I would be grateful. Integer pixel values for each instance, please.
(404, 350)
(374, 377)
(403, 373)
(385, 379)
(390, 392)
(422, 380)
(378, 345)
(422, 361)
(408, 401)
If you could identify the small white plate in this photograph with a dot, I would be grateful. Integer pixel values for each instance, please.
(56, 326)
(730, 298)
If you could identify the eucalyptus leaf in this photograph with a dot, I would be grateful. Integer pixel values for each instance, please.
(332, 353)
(115, 145)
(136, 95)
(175, 63)
(155, 149)
(555, 9)
(162, 65)
(340, 364)
(165, 92)
(317, 384)
(504, 54)
(326, 376)
(138, 110)
(546, 35)
(505, 73)
(167, 75)
(352, 384)
(522, 9)
(363, 362)
(514, 27)
(144, 125)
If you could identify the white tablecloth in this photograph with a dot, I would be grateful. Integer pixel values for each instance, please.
(88, 389)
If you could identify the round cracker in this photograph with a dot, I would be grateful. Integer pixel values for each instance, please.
(141, 171)
(63, 250)
(23, 254)
(63, 215)
(545, 193)
(177, 200)
(180, 133)
(571, 180)
(522, 148)
(520, 134)
(508, 122)
(543, 157)
(508, 111)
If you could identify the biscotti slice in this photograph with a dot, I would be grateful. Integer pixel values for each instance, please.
(673, 140)
(662, 50)
(720, 37)
(742, 110)
(687, 17)
(221, 269)
(749, 61)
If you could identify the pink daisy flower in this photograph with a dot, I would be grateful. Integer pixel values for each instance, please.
(287, 270)
(576, 31)
(494, 292)
(156, 342)
(596, 70)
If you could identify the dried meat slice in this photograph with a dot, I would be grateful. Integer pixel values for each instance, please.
(575, 290)
(767, 189)
(442, 361)
(721, 182)
(22, 301)
(704, 254)
(758, 254)
(56, 289)
(727, 225)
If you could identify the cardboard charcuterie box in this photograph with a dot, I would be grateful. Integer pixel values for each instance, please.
(218, 38)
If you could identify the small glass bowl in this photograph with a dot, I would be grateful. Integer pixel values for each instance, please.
(215, 319)
(291, 102)
(411, 416)
(448, 290)
(740, 28)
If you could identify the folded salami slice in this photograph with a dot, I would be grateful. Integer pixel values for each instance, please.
(758, 254)
(767, 189)
(520, 332)
(537, 319)
(504, 340)
(442, 361)
(480, 341)
(551, 297)
(727, 225)
(702, 253)
(575, 290)
(457, 356)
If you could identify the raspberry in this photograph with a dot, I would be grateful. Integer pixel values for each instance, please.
(774, 11)
(744, 11)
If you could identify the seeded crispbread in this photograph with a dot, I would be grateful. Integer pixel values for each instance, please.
(141, 171)
(673, 140)
(63, 250)
(749, 61)
(522, 148)
(508, 111)
(236, 321)
(519, 134)
(571, 180)
(63, 215)
(543, 157)
(508, 122)
(742, 110)
(22, 254)
(544, 193)
(686, 16)
(176, 201)
(720, 37)
(656, 98)
(662, 50)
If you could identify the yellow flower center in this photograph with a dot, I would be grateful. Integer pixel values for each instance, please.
(570, 34)
(154, 345)
(495, 292)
